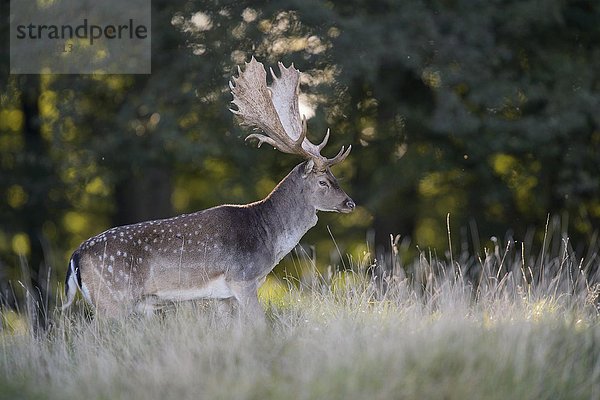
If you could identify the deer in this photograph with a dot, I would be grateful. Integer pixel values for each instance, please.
(224, 252)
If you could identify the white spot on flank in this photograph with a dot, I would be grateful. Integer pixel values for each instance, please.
(118, 252)
(110, 269)
(86, 293)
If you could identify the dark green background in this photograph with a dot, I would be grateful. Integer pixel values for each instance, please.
(487, 110)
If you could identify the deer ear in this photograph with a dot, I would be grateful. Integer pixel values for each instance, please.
(310, 165)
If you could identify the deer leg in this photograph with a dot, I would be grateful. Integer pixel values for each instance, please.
(250, 309)
(148, 306)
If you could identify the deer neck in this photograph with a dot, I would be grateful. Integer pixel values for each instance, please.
(290, 214)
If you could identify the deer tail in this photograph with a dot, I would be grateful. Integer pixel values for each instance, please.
(73, 281)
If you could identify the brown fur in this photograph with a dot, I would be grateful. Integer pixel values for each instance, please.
(127, 266)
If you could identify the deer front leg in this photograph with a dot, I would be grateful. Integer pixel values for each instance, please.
(246, 293)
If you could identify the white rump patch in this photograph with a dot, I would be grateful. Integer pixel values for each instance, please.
(215, 289)
(86, 293)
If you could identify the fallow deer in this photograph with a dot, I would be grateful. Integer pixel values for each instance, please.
(225, 251)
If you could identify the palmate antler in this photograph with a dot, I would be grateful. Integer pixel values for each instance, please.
(274, 110)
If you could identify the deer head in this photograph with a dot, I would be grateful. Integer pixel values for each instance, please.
(274, 110)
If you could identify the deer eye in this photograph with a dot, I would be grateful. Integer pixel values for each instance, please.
(323, 183)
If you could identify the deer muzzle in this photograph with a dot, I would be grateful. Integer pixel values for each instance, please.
(348, 206)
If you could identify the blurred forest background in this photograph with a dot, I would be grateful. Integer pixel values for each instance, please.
(485, 110)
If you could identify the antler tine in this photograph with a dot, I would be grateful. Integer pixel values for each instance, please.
(324, 142)
(302, 133)
(273, 75)
(341, 156)
(262, 139)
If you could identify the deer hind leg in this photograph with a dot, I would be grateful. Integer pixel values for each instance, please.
(148, 306)
(225, 309)
(111, 309)
(247, 297)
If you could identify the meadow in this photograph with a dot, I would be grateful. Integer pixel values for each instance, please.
(502, 325)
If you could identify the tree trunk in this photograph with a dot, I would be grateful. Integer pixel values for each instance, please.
(143, 197)
(36, 170)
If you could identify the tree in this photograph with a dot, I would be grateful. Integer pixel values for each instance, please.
(484, 110)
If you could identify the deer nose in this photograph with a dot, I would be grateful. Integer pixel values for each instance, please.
(350, 204)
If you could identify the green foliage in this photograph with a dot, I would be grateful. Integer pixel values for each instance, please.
(449, 87)
(484, 110)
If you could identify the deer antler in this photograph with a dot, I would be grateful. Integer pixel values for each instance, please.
(274, 110)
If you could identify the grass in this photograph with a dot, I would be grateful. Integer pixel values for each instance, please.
(502, 326)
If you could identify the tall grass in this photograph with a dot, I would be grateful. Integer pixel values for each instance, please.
(503, 325)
